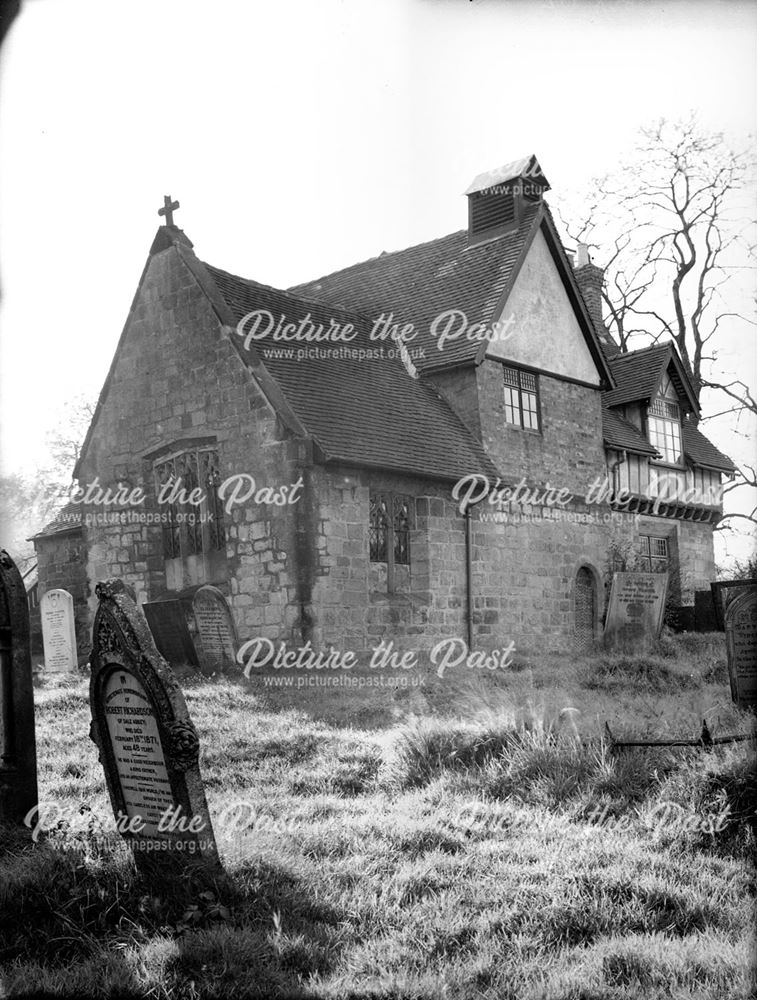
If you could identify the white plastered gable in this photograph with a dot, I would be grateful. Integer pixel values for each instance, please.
(539, 325)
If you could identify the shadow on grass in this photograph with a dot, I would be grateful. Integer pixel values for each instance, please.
(336, 699)
(86, 921)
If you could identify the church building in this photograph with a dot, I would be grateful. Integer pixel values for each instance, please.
(442, 441)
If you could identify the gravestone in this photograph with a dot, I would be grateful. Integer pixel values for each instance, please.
(58, 631)
(168, 624)
(705, 616)
(216, 636)
(741, 643)
(635, 610)
(725, 591)
(18, 755)
(148, 746)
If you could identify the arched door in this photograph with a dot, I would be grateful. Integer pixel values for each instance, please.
(584, 608)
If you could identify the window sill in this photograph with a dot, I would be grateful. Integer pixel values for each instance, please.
(659, 464)
(525, 430)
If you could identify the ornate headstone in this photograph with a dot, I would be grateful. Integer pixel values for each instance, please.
(148, 745)
(18, 755)
(725, 591)
(168, 624)
(58, 631)
(216, 636)
(635, 610)
(741, 643)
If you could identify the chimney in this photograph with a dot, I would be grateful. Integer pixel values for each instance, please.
(498, 198)
(590, 279)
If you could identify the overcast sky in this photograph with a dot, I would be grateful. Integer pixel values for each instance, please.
(300, 137)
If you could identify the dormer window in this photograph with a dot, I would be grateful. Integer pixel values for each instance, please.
(664, 420)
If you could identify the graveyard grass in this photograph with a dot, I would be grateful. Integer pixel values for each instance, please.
(433, 842)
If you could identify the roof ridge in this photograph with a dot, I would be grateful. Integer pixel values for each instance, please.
(624, 355)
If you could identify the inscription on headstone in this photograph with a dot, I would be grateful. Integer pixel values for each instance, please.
(58, 631)
(148, 746)
(741, 643)
(133, 732)
(18, 757)
(168, 624)
(635, 610)
(216, 635)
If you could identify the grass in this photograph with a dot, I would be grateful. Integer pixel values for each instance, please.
(463, 838)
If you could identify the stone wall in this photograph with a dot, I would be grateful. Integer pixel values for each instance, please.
(524, 568)
(302, 572)
(568, 452)
(697, 558)
(177, 381)
(459, 388)
(352, 602)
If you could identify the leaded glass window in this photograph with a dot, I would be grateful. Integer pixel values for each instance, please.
(654, 554)
(521, 399)
(401, 522)
(379, 528)
(389, 529)
(192, 515)
(664, 420)
(211, 479)
(165, 480)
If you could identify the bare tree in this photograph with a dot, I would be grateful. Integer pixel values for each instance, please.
(28, 502)
(668, 228)
(65, 440)
(674, 232)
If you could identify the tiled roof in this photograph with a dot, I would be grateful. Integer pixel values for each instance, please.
(69, 518)
(419, 283)
(623, 435)
(699, 451)
(30, 577)
(637, 374)
(367, 412)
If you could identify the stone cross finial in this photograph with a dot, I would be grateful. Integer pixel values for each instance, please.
(169, 207)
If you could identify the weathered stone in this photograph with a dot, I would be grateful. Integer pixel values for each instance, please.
(168, 624)
(18, 755)
(58, 631)
(741, 643)
(216, 635)
(148, 746)
(635, 610)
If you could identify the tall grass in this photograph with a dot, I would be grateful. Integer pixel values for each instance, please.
(489, 845)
